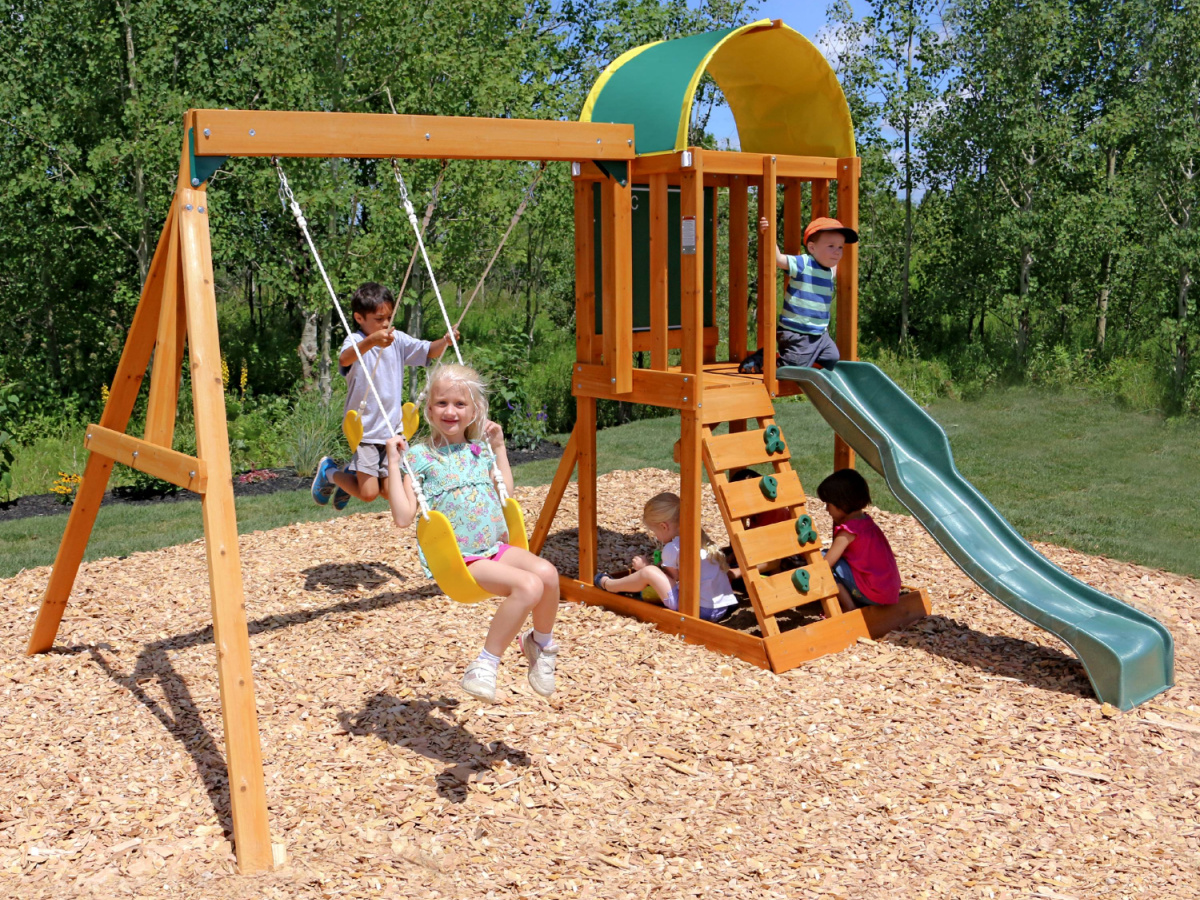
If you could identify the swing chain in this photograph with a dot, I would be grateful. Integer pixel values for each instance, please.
(286, 197)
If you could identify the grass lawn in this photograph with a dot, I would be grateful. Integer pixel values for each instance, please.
(1063, 468)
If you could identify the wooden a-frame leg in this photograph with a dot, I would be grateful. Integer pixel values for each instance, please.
(585, 430)
(247, 790)
(562, 477)
(128, 381)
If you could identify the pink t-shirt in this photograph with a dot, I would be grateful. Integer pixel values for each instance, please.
(871, 560)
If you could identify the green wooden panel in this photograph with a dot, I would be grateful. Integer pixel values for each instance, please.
(641, 256)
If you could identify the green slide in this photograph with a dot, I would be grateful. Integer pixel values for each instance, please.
(1129, 656)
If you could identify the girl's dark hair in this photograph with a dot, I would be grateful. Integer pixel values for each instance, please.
(370, 297)
(845, 489)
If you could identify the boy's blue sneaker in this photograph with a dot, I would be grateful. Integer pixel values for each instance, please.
(322, 485)
(340, 499)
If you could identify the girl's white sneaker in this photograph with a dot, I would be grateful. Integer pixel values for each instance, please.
(480, 681)
(541, 664)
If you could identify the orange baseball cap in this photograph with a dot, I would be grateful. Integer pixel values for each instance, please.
(824, 224)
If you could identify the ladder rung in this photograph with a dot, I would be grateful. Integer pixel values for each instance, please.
(770, 542)
(777, 593)
(745, 498)
(742, 448)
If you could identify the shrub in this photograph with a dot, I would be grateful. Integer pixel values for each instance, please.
(925, 380)
(527, 427)
(314, 432)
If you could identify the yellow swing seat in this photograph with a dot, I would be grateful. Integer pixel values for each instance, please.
(444, 557)
(352, 426)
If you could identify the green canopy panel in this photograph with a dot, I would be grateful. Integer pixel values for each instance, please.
(783, 94)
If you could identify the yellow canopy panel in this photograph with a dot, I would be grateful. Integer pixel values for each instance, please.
(783, 94)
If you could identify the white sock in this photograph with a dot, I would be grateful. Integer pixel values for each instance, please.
(488, 659)
(543, 640)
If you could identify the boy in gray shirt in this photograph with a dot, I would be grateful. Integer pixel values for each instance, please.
(386, 352)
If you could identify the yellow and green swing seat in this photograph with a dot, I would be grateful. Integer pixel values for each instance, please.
(352, 426)
(445, 559)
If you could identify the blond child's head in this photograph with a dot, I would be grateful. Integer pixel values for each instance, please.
(456, 404)
(660, 515)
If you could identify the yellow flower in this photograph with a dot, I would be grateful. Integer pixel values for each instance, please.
(104, 394)
(224, 372)
(245, 379)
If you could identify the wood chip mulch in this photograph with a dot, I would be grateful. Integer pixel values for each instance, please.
(962, 757)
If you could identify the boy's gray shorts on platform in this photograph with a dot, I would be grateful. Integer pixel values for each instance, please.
(806, 350)
(370, 459)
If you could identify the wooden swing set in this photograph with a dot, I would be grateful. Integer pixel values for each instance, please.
(645, 283)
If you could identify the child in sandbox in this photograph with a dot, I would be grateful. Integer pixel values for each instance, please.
(863, 564)
(661, 518)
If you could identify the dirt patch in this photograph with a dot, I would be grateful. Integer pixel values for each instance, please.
(961, 757)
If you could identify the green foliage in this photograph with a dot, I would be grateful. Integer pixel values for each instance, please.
(315, 430)
(527, 427)
(924, 380)
(10, 401)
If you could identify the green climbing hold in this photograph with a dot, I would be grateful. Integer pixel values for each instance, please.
(804, 530)
(800, 580)
(769, 485)
(773, 439)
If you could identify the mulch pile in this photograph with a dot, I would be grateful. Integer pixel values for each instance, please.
(961, 757)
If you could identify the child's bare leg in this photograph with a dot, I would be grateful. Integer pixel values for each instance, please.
(844, 598)
(522, 591)
(647, 576)
(546, 610)
(360, 485)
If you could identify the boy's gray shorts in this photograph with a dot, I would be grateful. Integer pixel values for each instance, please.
(806, 350)
(370, 459)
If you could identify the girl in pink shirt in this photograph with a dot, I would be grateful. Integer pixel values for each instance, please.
(863, 564)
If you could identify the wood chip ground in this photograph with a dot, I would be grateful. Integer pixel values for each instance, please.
(962, 757)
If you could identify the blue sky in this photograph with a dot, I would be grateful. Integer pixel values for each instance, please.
(806, 17)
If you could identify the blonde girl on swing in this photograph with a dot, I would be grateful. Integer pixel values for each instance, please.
(454, 467)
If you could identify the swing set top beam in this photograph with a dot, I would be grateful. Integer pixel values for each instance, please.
(237, 132)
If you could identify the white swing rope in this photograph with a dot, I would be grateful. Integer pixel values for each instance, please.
(497, 475)
(288, 199)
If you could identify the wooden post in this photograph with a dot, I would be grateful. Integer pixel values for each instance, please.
(710, 348)
(793, 217)
(820, 198)
(585, 443)
(163, 402)
(659, 272)
(562, 477)
(618, 283)
(767, 277)
(691, 283)
(739, 249)
(587, 347)
(847, 285)
(247, 790)
(121, 397)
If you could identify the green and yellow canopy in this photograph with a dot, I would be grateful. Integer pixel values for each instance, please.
(784, 96)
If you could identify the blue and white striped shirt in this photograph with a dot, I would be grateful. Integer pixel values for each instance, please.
(809, 296)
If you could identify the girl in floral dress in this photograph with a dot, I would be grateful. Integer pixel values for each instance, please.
(455, 471)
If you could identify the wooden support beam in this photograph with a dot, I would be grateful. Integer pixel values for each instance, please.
(247, 789)
(767, 276)
(691, 269)
(562, 477)
(659, 272)
(669, 389)
(236, 132)
(153, 459)
(585, 430)
(849, 170)
(163, 402)
(618, 290)
(739, 259)
(587, 345)
(121, 397)
(820, 199)
(793, 218)
(715, 637)
(691, 487)
(731, 162)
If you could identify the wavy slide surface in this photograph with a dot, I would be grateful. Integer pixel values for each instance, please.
(1129, 656)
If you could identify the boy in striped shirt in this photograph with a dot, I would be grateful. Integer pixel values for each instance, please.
(803, 332)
